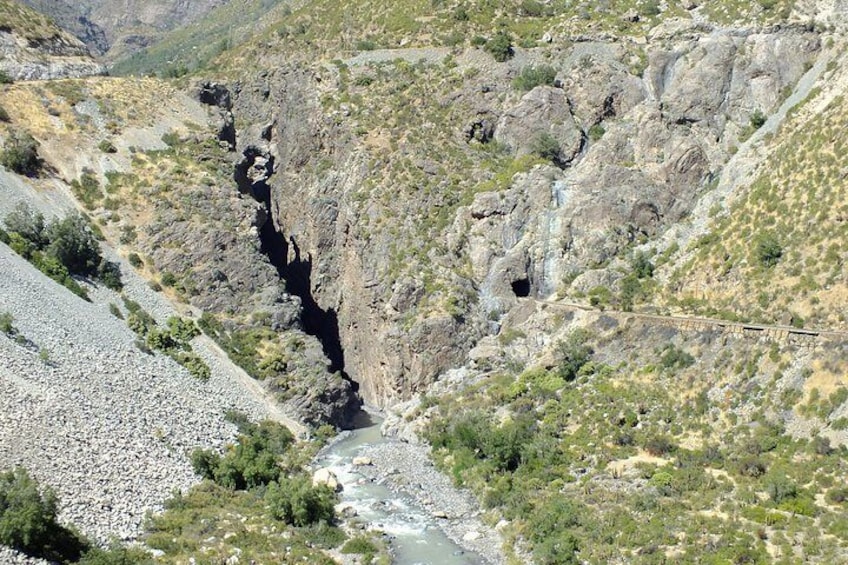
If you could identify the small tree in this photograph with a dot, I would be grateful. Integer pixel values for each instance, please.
(295, 501)
(642, 265)
(27, 515)
(109, 273)
(573, 354)
(20, 154)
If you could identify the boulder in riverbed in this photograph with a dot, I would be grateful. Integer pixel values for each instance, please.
(325, 476)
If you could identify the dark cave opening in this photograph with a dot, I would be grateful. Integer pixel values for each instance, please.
(521, 287)
(321, 323)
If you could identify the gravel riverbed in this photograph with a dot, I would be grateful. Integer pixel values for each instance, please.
(406, 469)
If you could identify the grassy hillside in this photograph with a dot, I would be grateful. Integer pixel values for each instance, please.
(626, 443)
(192, 47)
(26, 22)
(779, 254)
(326, 28)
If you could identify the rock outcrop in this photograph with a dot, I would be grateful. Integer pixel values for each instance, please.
(47, 54)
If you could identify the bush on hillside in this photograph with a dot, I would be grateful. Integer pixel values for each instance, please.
(109, 273)
(20, 154)
(74, 245)
(532, 76)
(29, 224)
(573, 354)
(251, 463)
(28, 519)
(546, 146)
(768, 250)
(500, 47)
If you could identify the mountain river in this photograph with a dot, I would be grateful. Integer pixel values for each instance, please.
(413, 534)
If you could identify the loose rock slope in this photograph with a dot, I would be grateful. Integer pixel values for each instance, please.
(104, 424)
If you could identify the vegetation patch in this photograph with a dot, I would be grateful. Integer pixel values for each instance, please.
(62, 249)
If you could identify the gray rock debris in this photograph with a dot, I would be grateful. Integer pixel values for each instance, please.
(105, 425)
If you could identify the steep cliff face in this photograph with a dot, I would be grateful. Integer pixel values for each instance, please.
(422, 207)
(33, 48)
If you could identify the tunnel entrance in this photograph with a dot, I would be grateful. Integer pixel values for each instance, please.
(521, 287)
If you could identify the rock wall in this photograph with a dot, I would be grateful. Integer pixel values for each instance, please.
(638, 143)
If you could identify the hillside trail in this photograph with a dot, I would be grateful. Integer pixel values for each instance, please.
(740, 171)
(683, 320)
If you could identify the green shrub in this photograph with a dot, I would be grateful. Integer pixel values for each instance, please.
(135, 260)
(20, 154)
(4, 115)
(115, 311)
(252, 462)
(532, 8)
(161, 339)
(107, 146)
(87, 190)
(500, 47)
(5, 78)
(51, 267)
(28, 519)
(73, 244)
(768, 250)
(204, 462)
(28, 224)
(675, 358)
(659, 446)
(546, 146)
(7, 323)
(325, 536)
(650, 8)
(838, 495)
(192, 362)
(182, 329)
(642, 266)
(359, 545)
(781, 489)
(171, 139)
(168, 279)
(365, 45)
(140, 322)
(758, 119)
(532, 76)
(596, 132)
(109, 273)
(295, 501)
(558, 549)
(573, 353)
(116, 555)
